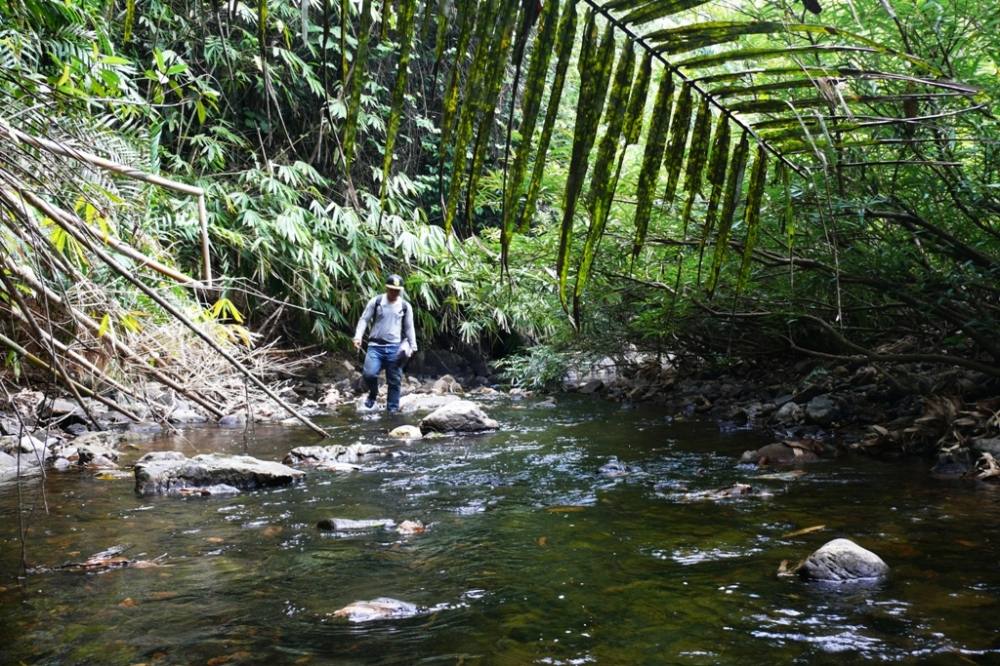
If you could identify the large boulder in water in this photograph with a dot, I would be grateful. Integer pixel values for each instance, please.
(171, 473)
(459, 416)
(843, 561)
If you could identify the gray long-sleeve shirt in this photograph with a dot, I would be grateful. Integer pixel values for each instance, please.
(392, 324)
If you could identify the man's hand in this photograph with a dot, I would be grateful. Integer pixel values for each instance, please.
(357, 343)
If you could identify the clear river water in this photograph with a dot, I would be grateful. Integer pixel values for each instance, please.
(533, 555)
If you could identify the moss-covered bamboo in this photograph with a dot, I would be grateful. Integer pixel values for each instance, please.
(734, 187)
(466, 20)
(603, 182)
(489, 102)
(595, 70)
(406, 23)
(637, 101)
(651, 159)
(475, 87)
(534, 89)
(674, 158)
(751, 214)
(357, 83)
(697, 156)
(717, 179)
(564, 51)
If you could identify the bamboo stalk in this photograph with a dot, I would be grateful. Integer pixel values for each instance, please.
(108, 260)
(117, 344)
(18, 136)
(56, 366)
(75, 385)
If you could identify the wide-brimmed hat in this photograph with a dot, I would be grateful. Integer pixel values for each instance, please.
(394, 282)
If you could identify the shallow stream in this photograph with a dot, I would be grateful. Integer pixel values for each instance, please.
(533, 555)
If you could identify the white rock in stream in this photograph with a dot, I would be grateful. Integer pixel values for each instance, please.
(171, 473)
(350, 525)
(841, 561)
(382, 608)
(332, 456)
(459, 416)
(406, 432)
(425, 402)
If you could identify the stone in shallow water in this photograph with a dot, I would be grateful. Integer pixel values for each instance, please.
(382, 608)
(350, 525)
(171, 473)
(459, 416)
(406, 432)
(326, 456)
(730, 492)
(411, 527)
(425, 402)
(841, 561)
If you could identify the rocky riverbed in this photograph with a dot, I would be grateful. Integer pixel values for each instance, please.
(586, 532)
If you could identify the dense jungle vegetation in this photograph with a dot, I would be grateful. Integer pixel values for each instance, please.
(718, 180)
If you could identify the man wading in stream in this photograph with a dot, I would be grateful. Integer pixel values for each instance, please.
(391, 340)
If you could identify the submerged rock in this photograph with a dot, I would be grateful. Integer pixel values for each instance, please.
(406, 432)
(382, 608)
(784, 453)
(84, 452)
(329, 457)
(733, 491)
(460, 416)
(350, 525)
(615, 468)
(411, 527)
(171, 473)
(234, 420)
(841, 561)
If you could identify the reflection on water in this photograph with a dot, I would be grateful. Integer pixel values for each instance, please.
(534, 554)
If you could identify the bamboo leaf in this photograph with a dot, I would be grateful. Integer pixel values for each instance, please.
(679, 127)
(751, 215)
(658, 9)
(734, 186)
(534, 87)
(406, 23)
(595, 70)
(651, 159)
(710, 33)
(602, 183)
(564, 48)
(357, 83)
(759, 54)
(779, 105)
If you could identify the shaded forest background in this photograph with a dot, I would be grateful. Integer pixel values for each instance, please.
(338, 142)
